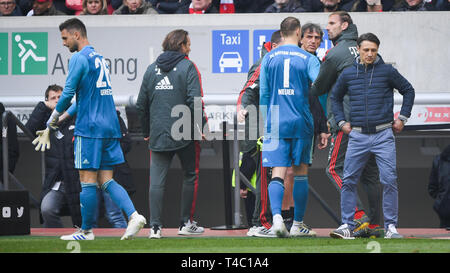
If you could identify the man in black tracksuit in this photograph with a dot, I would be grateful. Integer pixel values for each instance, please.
(343, 34)
(61, 189)
(171, 111)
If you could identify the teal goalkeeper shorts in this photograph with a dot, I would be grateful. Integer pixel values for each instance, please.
(286, 152)
(97, 153)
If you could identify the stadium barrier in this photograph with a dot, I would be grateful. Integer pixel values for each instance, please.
(6, 175)
(406, 45)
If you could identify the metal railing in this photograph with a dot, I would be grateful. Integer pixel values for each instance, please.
(423, 97)
(6, 174)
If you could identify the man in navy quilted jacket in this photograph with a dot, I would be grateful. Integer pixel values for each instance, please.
(370, 85)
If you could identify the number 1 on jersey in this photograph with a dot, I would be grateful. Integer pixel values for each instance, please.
(286, 73)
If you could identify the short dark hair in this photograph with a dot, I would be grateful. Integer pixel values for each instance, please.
(310, 27)
(74, 24)
(289, 25)
(53, 87)
(343, 16)
(276, 37)
(174, 40)
(368, 37)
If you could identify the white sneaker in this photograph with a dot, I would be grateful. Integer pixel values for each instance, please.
(279, 227)
(155, 232)
(299, 229)
(252, 231)
(190, 228)
(265, 233)
(392, 233)
(135, 224)
(79, 235)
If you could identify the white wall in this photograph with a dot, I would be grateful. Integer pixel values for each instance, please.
(417, 44)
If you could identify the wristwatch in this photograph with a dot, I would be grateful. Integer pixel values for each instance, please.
(403, 119)
(341, 123)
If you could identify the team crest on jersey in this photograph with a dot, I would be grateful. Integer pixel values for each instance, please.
(164, 84)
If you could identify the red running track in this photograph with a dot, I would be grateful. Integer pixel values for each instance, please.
(433, 233)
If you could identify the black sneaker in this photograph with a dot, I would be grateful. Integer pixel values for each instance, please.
(342, 232)
(288, 217)
(155, 232)
(288, 222)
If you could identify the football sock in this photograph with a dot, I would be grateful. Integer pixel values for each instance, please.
(119, 196)
(276, 192)
(88, 200)
(300, 193)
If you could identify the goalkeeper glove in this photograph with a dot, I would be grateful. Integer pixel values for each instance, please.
(42, 142)
(53, 120)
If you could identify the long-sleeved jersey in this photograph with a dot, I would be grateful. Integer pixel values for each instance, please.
(286, 73)
(90, 81)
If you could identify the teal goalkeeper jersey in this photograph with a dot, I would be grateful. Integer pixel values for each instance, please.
(286, 73)
(90, 81)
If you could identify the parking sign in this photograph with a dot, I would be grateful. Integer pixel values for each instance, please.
(230, 51)
(324, 46)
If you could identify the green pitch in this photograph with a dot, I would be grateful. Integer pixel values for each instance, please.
(34, 244)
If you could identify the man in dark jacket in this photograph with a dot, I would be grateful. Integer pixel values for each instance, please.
(439, 187)
(369, 84)
(311, 38)
(251, 6)
(61, 189)
(9, 8)
(281, 6)
(172, 88)
(170, 6)
(415, 5)
(343, 33)
(45, 8)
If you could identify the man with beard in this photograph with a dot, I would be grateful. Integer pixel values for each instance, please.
(97, 131)
(44, 8)
(330, 5)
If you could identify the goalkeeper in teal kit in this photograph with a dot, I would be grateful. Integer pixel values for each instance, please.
(97, 130)
(286, 73)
